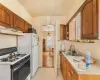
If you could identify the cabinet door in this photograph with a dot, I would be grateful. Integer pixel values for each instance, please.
(62, 32)
(1, 14)
(19, 23)
(65, 69)
(73, 78)
(62, 66)
(87, 20)
(26, 27)
(6, 17)
(69, 75)
(95, 18)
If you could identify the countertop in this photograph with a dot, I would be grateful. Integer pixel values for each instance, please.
(93, 70)
(12, 63)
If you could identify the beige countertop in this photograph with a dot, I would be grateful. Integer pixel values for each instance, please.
(93, 70)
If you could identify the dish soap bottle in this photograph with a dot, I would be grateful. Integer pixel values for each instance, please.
(88, 59)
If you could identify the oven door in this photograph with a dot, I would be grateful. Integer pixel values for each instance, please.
(21, 72)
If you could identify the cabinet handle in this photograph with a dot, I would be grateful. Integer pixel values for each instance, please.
(72, 72)
(69, 73)
(11, 25)
(96, 34)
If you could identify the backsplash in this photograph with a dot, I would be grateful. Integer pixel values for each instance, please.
(94, 48)
(7, 41)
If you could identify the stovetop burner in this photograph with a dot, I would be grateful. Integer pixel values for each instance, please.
(12, 58)
(20, 55)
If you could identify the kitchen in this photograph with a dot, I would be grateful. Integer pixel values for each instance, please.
(15, 14)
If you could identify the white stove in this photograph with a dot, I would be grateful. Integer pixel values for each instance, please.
(14, 66)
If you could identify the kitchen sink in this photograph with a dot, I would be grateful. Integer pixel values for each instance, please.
(71, 54)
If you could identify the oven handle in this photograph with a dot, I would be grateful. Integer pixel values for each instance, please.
(20, 65)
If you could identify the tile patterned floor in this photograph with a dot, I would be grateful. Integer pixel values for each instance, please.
(46, 74)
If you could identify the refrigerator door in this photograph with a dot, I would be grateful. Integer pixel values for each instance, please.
(34, 60)
(36, 40)
(33, 39)
(33, 65)
(37, 65)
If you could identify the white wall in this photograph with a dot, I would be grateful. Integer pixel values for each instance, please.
(16, 7)
(7, 41)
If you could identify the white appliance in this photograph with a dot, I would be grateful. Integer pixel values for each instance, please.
(28, 44)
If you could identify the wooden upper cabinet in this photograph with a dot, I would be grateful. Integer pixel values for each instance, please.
(89, 29)
(62, 32)
(27, 25)
(19, 23)
(95, 18)
(11, 20)
(87, 20)
(6, 17)
(1, 14)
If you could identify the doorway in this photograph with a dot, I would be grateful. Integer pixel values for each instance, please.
(48, 49)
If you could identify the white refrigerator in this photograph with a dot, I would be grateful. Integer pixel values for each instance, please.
(28, 44)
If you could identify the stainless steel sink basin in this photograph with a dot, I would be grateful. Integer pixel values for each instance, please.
(73, 55)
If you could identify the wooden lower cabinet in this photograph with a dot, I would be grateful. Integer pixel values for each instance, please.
(88, 77)
(69, 73)
(64, 68)
(61, 62)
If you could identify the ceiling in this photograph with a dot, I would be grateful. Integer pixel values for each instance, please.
(47, 7)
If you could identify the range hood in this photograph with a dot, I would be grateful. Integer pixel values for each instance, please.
(10, 31)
